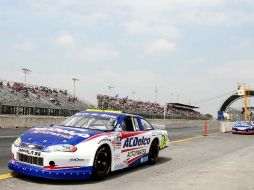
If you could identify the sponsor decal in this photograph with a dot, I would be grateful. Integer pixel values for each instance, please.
(117, 143)
(98, 135)
(117, 157)
(77, 160)
(58, 132)
(163, 143)
(134, 153)
(144, 159)
(136, 141)
(155, 133)
(52, 133)
(104, 140)
(30, 152)
(121, 165)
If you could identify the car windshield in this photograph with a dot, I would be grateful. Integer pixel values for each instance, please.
(90, 122)
(243, 123)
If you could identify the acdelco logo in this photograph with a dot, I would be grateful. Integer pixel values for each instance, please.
(135, 141)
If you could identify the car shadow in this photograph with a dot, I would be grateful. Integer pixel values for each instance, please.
(112, 176)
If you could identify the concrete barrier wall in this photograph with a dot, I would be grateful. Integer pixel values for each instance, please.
(226, 126)
(13, 121)
(182, 122)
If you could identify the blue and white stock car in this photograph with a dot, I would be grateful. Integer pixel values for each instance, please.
(243, 127)
(89, 144)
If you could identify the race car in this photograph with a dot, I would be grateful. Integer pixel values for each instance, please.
(243, 127)
(89, 144)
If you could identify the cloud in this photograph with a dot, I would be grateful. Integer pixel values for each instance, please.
(134, 27)
(161, 46)
(242, 43)
(65, 40)
(104, 52)
(213, 17)
(235, 70)
(148, 27)
(199, 3)
(26, 46)
(97, 16)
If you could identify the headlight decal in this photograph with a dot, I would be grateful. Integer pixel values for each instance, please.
(61, 148)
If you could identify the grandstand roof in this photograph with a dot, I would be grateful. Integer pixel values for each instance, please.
(182, 105)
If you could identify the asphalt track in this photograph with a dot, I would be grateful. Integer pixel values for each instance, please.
(217, 161)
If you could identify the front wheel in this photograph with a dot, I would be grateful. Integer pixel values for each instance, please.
(153, 152)
(102, 162)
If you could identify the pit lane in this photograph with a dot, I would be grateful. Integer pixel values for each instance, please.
(213, 162)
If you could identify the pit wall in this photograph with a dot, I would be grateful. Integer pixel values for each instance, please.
(226, 126)
(12, 121)
(182, 122)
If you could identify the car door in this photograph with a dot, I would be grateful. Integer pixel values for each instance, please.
(135, 141)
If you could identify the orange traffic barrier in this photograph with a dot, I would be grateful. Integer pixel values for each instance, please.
(205, 128)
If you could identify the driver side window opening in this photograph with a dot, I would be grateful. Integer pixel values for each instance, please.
(127, 124)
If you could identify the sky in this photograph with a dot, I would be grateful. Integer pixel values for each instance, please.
(196, 50)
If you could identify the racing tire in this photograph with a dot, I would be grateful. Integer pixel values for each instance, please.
(102, 163)
(153, 152)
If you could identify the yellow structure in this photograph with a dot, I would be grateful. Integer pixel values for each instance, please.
(246, 100)
(247, 110)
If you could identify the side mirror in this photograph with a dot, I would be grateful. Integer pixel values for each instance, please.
(118, 129)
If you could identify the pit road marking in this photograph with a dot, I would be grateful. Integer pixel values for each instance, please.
(187, 139)
(5, 176)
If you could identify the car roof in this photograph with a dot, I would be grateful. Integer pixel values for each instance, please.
(108, 112)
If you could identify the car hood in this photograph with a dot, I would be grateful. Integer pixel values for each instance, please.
(243, 126)
(46, 135)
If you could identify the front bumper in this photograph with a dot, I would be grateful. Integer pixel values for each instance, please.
(66, 173)
(249, 132)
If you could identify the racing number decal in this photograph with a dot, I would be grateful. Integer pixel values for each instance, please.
(163, 143)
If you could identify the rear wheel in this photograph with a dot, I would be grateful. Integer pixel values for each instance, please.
(102, 163)
(153, 152)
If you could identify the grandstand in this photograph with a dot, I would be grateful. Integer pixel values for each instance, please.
(182, 109)
(25, 99)
(18, 98)
(148, 109)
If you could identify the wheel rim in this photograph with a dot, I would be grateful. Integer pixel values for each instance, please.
(102, 162)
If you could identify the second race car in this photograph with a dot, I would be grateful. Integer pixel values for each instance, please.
(243, 127)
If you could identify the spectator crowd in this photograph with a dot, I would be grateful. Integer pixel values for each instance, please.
(137, 106)
(38, 91)
(52, 95)
(61, 99)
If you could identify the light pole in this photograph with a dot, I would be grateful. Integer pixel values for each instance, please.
(177, 97)
(74, 86)
(171, 96)
(109, 89)
(133, 93)
(156, 94)
(26, 71)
